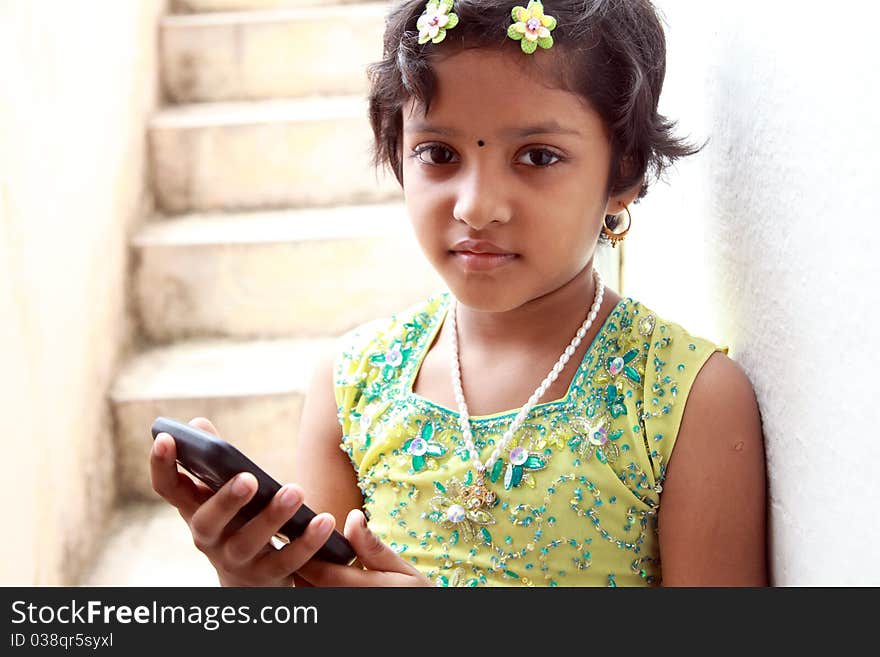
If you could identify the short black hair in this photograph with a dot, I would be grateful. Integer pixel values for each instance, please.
(611, 52)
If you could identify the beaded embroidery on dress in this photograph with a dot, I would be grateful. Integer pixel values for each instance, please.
(577, 505)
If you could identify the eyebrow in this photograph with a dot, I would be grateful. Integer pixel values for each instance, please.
(546, 128)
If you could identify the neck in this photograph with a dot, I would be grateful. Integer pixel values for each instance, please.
(550, 319)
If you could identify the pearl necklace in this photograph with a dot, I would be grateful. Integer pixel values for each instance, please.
(479, 466)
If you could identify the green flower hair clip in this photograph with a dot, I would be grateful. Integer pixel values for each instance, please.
(436, 19)
(531, 27)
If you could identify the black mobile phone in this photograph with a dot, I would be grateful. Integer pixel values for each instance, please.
(215, 461)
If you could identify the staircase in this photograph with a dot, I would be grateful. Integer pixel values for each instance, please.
(273, 236)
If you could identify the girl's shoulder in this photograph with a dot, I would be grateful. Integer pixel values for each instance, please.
(387, 341)
(674, 359)
(371, 362)
(661, 331)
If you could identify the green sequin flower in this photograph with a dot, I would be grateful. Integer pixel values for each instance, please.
(521, 461)
(436, 19)
(393, 359)
(531, 27)
(423, 446)
(627, 365)
(621, 364)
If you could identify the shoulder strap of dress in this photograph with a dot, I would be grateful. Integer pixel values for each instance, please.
(372, 356)
(675, 358)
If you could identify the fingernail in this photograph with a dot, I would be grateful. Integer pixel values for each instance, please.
(290, 497)
(323, 523)
(364, 520)
(241, 486)
(160, 448)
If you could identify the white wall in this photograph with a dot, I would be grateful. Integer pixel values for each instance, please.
(78, 80)
(762, 242)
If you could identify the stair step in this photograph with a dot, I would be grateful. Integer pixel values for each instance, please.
(252, 391)
(270, 54)
(148, 544)
(193, 6)
(306, 273)
(299, 152)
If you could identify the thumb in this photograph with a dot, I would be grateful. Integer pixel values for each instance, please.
(372, 553)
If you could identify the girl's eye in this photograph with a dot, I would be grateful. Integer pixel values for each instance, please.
(540, 158)
(434, 149)
(545, 157)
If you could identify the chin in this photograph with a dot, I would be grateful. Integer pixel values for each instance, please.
(482, 293)
(493, 290)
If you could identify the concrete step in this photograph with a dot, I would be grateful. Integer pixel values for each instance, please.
(252, 391)
(148, 544)
(193, 6)
(256, 155)
(308, 272)
(270, 54)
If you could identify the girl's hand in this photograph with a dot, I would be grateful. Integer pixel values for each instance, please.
(382, 566)
(241, 554)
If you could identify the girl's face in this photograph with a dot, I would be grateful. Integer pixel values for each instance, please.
(504, 158)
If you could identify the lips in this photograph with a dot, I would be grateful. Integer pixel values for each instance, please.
(479, 247)
(480, 255)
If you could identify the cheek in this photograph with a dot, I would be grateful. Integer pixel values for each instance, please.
(567, 238)
(426, 223)
(414, 186)
(425, 205)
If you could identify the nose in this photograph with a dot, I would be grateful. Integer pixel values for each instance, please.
(482, 198)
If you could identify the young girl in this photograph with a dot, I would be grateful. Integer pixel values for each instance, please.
(528, 426)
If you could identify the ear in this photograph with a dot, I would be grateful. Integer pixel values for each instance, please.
(619, 201)
(622, 199)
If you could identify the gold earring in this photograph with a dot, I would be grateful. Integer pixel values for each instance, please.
(611, 232)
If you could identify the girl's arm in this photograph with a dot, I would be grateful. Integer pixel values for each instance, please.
(327, 477)
(321, 468)
(712, 517)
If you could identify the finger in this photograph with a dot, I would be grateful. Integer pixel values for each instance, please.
(197, 491)
(323, 573)
(371, 552)
(208, 523)
(251, 539)
(171, 484)
(384, 566)
(293, 556)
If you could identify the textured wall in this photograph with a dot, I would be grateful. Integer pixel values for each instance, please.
(767, 241)
(78, 82)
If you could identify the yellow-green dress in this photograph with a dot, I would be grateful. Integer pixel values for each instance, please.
(575, 505)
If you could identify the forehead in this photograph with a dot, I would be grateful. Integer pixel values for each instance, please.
(499, 94)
